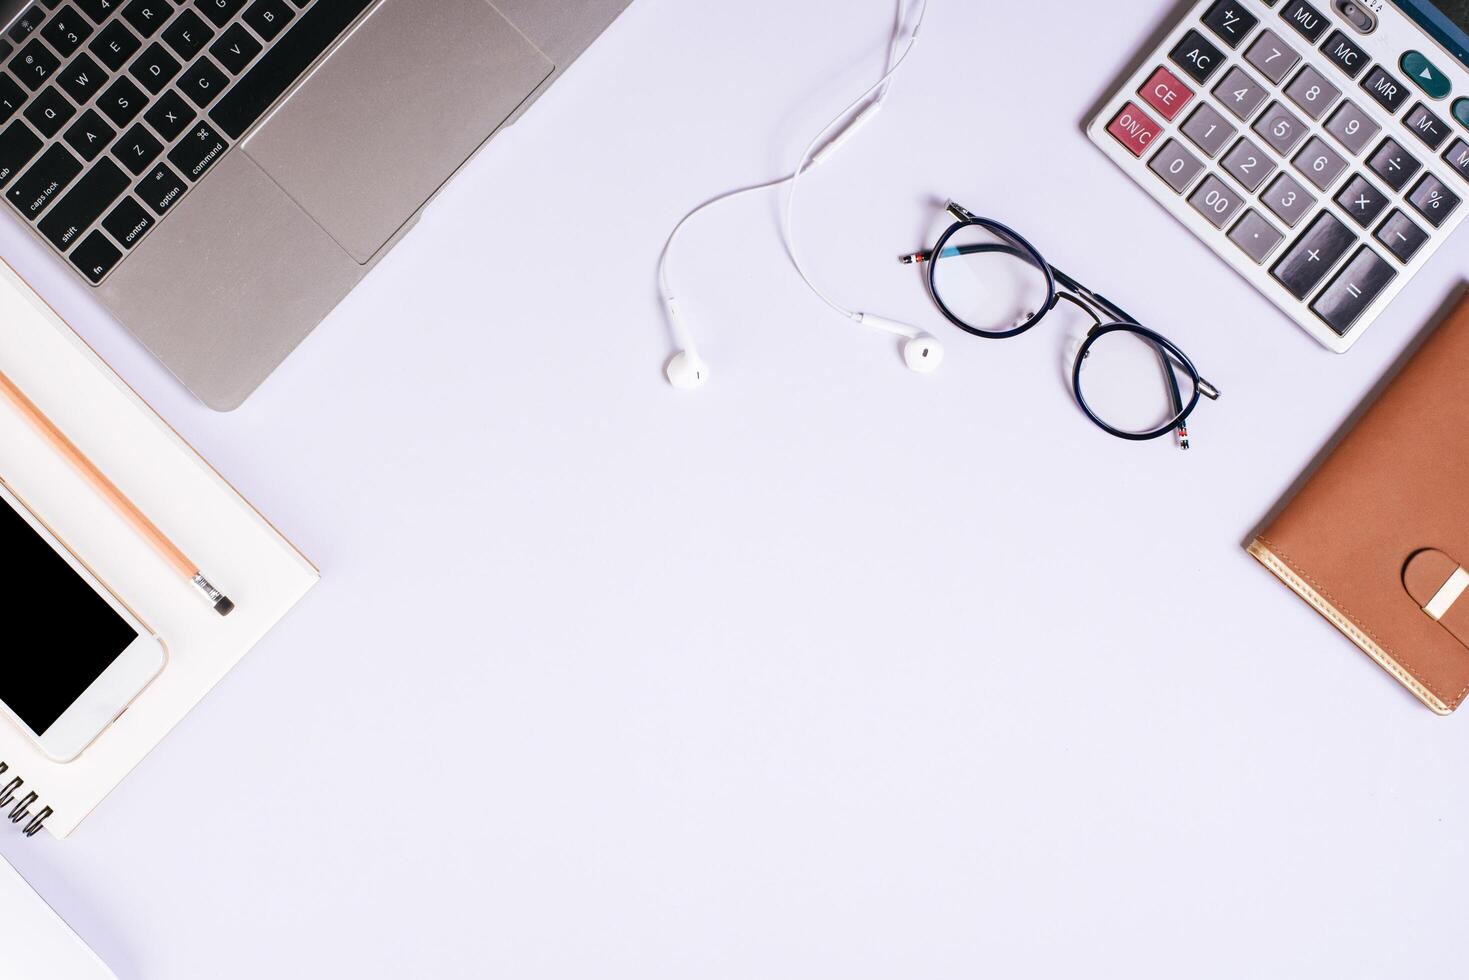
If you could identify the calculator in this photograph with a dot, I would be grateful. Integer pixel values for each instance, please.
(1322, 149)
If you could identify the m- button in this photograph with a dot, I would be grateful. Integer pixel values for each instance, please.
(1166, 93)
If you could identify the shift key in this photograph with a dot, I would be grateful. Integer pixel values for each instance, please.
(84, 204)
(39, 185)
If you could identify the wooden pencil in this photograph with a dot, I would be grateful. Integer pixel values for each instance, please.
(119, 501)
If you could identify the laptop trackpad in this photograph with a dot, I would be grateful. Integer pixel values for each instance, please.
(410, 95)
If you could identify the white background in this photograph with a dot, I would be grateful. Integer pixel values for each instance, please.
(829, 670)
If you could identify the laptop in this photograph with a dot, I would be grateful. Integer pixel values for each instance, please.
(221, 173)
(1320, 147)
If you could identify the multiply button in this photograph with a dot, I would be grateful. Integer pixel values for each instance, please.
(1361, 201)
(1166, 93)
(1134, 129)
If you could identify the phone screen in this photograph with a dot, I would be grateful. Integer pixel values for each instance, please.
(59, 634)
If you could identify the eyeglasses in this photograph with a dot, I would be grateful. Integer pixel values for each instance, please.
(990, 282)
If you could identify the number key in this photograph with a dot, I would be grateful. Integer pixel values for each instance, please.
(1248, 164)
(1288, 200)
(1319, 163)
(1176, 165)
(34, 65)
(1312, 92)
(1280, 128)
(1273, 57)
(1208, 130)
(1240, 93)
(1352, 127)
(1216, 202)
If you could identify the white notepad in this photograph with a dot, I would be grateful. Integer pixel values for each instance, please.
(37, 942)
(192, 504)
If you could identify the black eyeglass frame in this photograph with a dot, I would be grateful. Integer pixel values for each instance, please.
(1108, 318)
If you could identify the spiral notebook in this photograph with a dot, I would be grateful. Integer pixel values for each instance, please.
(262, 571)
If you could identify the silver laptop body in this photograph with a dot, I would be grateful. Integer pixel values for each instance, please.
(224, 172)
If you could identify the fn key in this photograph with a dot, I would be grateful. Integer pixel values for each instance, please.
(95, 257)
(1353, 290)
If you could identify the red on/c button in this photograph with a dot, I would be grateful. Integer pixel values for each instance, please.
(1134, 129)
(1166, 93)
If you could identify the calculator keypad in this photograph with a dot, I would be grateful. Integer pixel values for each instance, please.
(1304, 164)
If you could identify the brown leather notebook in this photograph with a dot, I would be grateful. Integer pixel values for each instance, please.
(1377, 539)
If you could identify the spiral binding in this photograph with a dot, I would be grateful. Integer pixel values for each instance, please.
(22, 809)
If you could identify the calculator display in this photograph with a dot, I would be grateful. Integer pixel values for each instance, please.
(1446, 20)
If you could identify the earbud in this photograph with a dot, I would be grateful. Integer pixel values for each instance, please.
(686, 371)
(921, 352)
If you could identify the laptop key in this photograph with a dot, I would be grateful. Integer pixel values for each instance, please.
(220, 11)
(34, 65)
(84, 204)
(137, 149)
(66, 32)
(187, 35)
(170, 116)
(161, 189)
(235, 49)
(122, 102)
(12, 97)
(128, 222)
(98, 10)
(198, 151)
(203, 82)
(48, 177)
(115, 45)
(268, 17)
(147, 16)
(277, 70)
(1402, 237)
(95, 257)
(49, 111)
(81, 79)
(18, 146)
(1312, 256)
(90, 135)
(155, 68)
(1342, 303)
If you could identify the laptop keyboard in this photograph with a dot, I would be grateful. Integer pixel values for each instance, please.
(112, 110)
(1325, 166)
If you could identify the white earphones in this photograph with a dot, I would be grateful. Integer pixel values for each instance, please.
(686, 370)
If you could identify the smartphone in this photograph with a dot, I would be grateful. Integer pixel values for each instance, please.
(76, 655)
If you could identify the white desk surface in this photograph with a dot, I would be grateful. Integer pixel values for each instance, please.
(830, 670)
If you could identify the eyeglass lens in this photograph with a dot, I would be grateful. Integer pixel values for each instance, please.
(1128, 382)
(988, 281)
